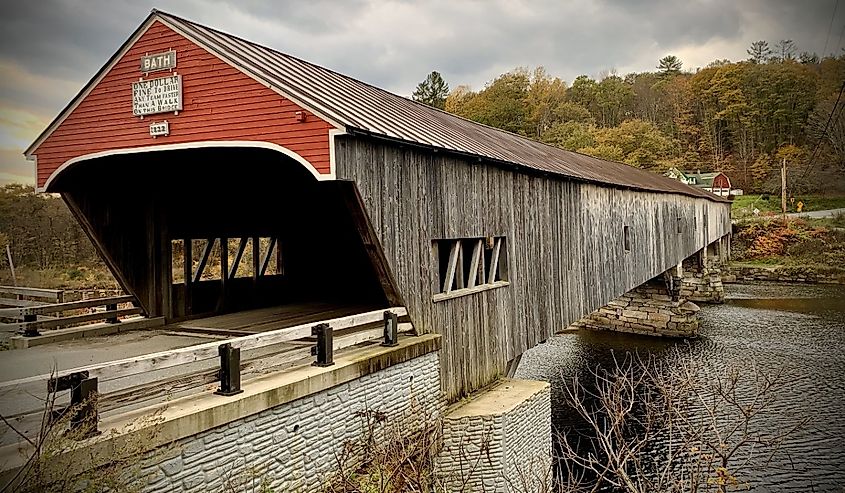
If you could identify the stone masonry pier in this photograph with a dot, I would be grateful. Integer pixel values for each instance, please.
(666, 305)
(648, 310)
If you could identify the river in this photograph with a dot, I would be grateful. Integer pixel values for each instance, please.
(798, 330)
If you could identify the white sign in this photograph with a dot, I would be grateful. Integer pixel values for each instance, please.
(158, 61)
(161, 95)
(160, 129)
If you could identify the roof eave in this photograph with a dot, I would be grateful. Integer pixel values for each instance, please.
(89, 86)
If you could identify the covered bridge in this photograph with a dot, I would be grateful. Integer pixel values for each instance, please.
(329, 194)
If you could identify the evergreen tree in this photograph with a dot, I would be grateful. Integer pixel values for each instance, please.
(670, 65)
(759, 52)
(432, 91)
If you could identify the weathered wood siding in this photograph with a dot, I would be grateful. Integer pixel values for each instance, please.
(564, 240)
(220, 103)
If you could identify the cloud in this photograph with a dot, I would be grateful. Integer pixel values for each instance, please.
(14, 168)
(50, 49)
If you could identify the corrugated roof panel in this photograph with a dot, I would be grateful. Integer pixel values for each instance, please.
(363, 107)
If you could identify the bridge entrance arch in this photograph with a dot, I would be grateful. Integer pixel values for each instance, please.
(201, 231)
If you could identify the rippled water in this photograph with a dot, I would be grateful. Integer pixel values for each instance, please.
(796, 329)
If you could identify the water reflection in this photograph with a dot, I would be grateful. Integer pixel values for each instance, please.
(797, 329)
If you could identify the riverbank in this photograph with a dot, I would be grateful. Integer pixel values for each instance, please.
(798, 250)
(749, 272)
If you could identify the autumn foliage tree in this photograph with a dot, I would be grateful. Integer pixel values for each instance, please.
(729, 116)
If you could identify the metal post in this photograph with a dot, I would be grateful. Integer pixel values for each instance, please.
(324, 350)
(30, 331)
(391, 329)
(83, 398)
(112, 307)
(230, 370)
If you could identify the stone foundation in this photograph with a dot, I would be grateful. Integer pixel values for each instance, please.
(701, 281)
(499, 440)
(294, 447)
(648, 310)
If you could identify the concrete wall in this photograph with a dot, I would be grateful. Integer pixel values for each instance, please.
(500, 440)
(293, 446)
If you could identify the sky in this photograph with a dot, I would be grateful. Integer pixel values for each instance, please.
(49, 49)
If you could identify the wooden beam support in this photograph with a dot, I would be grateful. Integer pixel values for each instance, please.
(477, 250)
(494, 261)
(237, 260)
(451, 268)
(188, 272)
(266, 262)
(256, 257)
(209, 246)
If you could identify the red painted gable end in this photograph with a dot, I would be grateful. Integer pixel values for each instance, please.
(219, 103)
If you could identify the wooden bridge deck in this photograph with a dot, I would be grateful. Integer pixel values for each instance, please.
(267, 319)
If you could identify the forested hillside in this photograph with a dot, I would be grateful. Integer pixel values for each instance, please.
(742, 118)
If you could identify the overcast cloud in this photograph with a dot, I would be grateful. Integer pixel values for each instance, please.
(50, 49)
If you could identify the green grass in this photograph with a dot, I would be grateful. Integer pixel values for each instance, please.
(744, 205)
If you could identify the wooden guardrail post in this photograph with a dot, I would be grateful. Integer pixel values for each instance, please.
(324, 350)
(230, 370)
(112, 307)
(391, 329)
(83, 401)
(30, 330)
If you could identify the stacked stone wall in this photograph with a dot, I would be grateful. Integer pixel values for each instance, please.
(294, 447)
(499, 451)
(702, 281)
(648, 310)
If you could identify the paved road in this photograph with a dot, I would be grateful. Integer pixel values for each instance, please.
(819, 214)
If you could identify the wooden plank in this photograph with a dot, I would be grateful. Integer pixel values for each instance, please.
(52, 294)
(451, 268)
(266, 262)
(494, 261)
(477, 250)
(76, 319)
(256, 258)
(458, 293)
(237, 260)
(168, 359)
(187, 274)
(61, 307)
(206, 253)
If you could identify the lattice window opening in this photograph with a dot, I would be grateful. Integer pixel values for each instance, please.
(206, 258)
(468, 263)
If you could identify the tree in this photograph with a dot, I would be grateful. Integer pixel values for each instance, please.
(503, 103)
(670, 65)
(571, 136)
(785, 50)
(432, 91)
(759, 52)
(808, 58)
(674, 426)
(458, 99)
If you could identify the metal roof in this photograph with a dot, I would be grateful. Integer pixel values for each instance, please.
(359, 107)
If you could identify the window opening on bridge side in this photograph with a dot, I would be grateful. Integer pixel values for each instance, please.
(470, 265)
(680, 224)
(626, 238)
(245, 257)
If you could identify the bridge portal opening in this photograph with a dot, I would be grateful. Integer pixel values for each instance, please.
(210, 231)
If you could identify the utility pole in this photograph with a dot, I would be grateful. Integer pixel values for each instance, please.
(11, 265)
(783, 188)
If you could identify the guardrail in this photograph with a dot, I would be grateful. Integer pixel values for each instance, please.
(115, 382)
(27, 317)
(22, 296)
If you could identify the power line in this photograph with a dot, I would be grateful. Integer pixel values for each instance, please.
(829, 28)
(824, 132)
